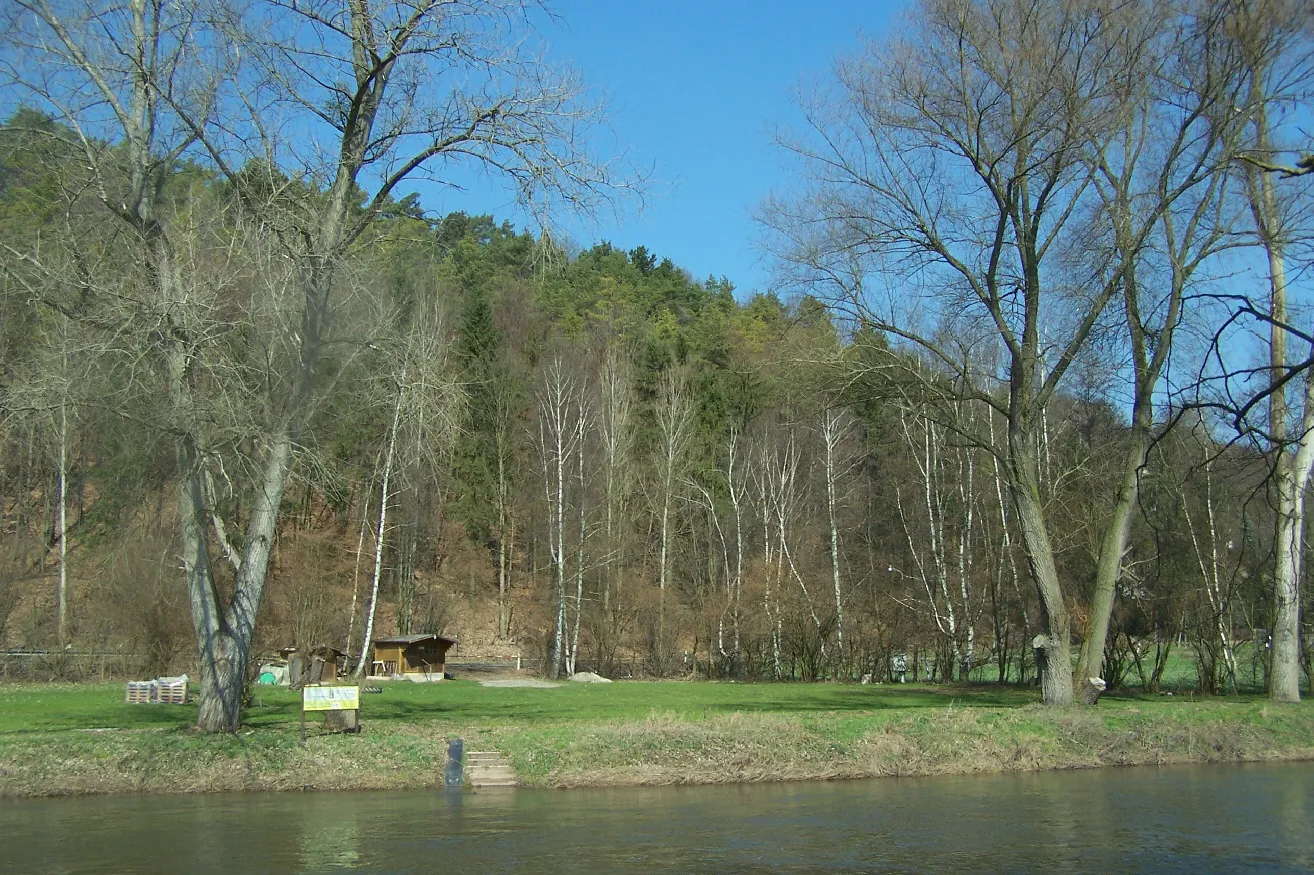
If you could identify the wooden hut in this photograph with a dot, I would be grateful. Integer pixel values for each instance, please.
(415, 657)
(313, 665)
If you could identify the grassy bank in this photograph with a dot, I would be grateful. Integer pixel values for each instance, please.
(68, 739)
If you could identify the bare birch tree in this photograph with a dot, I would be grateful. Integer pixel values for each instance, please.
(583, 418)
(46, 398)
(1275, 46)
(560, 430)
(426, 403)
(835, 427)
(736, 487)
(674, 429)
(943, 541)
(615, 427)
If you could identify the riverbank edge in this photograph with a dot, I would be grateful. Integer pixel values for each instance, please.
(661, 749)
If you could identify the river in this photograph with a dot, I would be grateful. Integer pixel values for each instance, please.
(1193, 819)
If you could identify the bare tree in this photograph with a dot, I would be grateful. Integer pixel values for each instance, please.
(1205, 545)
(941, 544)
(47, 396)
(615, 414)
(425, 405)
(835, 427)
(947, 178)
(561, 427)
(332, 96)
(736, 486)
(504, 452)
(771, 568)
(1276, 49)
(583, 417)
(1163, 185)
(674, 428)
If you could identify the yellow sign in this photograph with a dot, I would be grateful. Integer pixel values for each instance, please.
(330, 698)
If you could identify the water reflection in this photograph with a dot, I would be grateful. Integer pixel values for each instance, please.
(1186, 819)
(330, 844)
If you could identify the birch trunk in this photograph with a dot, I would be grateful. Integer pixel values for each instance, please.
(556, 442)
(1210, 572)
(355, 578)
(736, 496)
(559, 552)
(674, 418)
(382, 529)
(579, 544)
(1290, 470)
(505, 534)
(63, 524)
(832, 434)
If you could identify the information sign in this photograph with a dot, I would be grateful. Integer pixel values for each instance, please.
(330, 698)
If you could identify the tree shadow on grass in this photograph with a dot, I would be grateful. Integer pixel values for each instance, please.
(464, 701)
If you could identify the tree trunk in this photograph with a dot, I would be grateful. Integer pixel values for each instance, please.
(63, 525)
(1112, 547)
(832, 435)
(1053, 648)
(379, 535)
(224, 636)
(1284, 677)
(505, 532)
(579, 547)
(355, 578)
(661, 559)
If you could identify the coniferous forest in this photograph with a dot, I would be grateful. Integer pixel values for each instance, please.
(1033, 389)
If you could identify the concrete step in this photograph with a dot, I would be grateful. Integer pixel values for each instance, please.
(486, 768)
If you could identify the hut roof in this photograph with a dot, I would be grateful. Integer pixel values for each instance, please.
(413, 639)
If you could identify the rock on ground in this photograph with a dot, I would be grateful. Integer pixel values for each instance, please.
(588, 677)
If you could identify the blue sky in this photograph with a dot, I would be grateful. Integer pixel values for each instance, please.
(697, 90)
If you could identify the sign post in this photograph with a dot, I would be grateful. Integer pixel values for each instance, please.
(331, 699)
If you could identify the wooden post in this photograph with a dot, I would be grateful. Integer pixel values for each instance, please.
(303, 720)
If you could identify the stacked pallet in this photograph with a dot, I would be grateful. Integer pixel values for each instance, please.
(141, 693)
(161, 691)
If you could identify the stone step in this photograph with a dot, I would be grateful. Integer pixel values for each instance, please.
(486, 768)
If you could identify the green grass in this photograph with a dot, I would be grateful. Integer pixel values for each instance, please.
(47, 707)
(64, 738)
(1179, 675)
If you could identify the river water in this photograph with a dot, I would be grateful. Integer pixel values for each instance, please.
(1198, 819)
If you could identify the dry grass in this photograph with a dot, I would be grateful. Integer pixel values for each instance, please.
(738, 748)
(596, 738)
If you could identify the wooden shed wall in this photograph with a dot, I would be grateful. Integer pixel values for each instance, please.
(430, 656)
